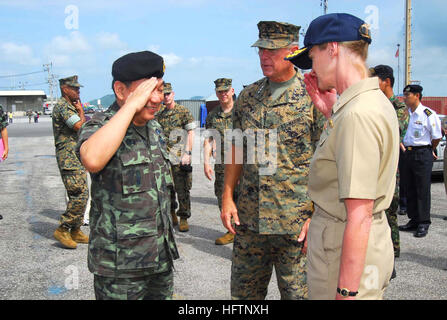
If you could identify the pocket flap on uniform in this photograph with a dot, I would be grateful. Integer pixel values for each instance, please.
(132, 158)
(136, 229)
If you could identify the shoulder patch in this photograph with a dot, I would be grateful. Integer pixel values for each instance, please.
(428, 112)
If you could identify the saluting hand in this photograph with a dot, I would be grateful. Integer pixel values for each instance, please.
(139, 97)
(324, 101)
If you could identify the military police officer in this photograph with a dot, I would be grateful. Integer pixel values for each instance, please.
(273, 203)
(422, 138)
(178, 125)
(219, 119)
(68, 117)
(132, 247)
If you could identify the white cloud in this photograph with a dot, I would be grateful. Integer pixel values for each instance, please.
(17, 53)
(110, 41)
(75, 42)
(171, 59)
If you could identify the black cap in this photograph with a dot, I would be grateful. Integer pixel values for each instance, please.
(138, 65)
(333, 27)
(413, 88)
(382, 71)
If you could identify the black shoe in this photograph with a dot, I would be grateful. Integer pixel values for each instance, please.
(1, 217)
(410, 226)
(421, 231)
(394, 274)
(445, 218)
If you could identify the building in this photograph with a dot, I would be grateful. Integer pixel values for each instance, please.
(22, 100)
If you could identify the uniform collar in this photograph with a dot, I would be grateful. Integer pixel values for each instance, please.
(264, 88)
(419, 109)
(222, 114)
(356, 89)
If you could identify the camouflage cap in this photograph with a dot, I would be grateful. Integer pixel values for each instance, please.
(223, 84)
(70, 81)
(167, 88)
(275, 35)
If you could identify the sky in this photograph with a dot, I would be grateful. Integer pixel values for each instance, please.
(200, 40)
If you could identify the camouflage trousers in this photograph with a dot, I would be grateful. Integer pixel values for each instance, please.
(77, 191)
(154, 287)
(391, 215)
(254, 256)
(219, 186)
(182, 186)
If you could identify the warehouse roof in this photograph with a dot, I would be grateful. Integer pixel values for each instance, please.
(19, 93)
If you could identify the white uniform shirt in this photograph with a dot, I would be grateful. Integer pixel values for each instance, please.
(423, 127)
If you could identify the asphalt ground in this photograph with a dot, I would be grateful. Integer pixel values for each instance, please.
(35, 267)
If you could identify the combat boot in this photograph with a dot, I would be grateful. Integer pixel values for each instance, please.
(64, 237)
(174, 218)
(225, 239)
(183, 227)
(79, 236)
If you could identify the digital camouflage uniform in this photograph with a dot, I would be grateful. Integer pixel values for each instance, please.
(391, 212)
(273, 208)
(220, 121)
(73, 173)
(178, 118)
(131, 235)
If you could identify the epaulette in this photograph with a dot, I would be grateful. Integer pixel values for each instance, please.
(428, 112)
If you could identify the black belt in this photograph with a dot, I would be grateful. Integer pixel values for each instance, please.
(410, 148)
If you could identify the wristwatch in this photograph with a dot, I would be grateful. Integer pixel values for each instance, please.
(346, 293)
(188, 153)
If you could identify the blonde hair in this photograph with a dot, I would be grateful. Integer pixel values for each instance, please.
(359, 53)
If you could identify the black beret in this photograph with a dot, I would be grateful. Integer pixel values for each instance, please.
(413, 88)
(383, 72)
(138, 65)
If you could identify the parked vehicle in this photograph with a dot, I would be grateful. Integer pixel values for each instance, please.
(438, 164)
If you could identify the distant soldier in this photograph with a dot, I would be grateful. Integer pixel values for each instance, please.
(174, 117)
(68, 117)
(421, 139)
(272, 206)
(219, 119)
(386, 83)
(132, 246)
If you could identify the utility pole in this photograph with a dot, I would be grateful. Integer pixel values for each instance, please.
(408, 42)
(398, 68)
(51, 79)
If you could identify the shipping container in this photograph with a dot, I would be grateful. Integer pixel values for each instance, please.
(194, 107)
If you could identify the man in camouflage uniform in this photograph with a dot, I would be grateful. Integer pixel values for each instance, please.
(68, 117)
(176, 120)
(272, 207)
(386, 83)
(132, 247)
(219, 119)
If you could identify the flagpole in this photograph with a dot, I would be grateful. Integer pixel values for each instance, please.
(398, 68)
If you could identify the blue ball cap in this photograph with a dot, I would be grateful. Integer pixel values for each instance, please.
(333, 27)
